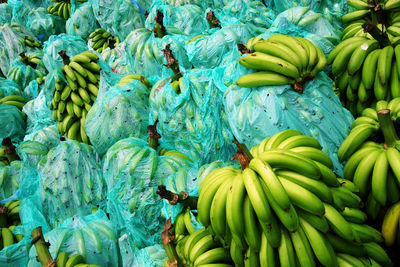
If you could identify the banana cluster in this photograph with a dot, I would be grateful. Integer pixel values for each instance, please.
(31, 42)
(73, 99)
(101, 39)
(9, 219)
(62, 8)
(24, 76)
(75, 260)
(130, 77)
(282, 59)
(16, 101)
(372, 155)
(288, 207)
(364, 72)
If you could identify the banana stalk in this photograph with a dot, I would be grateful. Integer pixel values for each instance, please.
(9, 150)
(3, 216)
(213, 22)
(242, 155)
(387, 128)
(153, 136)
(159, 30)
(64, 57)
(167, 240)
(377, 34)
(172, 63)
(42, 248)
(173, 198)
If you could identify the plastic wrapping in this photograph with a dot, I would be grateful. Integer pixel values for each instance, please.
(9, 87)
(43, 25)
(120, 113)
(16, 255)
(21, 74)
(91, 236)
(133, 171)
(72, 45)
(188, 18)
(12, 124)
(121, 16)
(209, 51)
(32, 90)
(192, 122)
(145, 56)
(9, 179)
(152, 256)
(116, 59)
(5, 13)
(69, 184)
(259, 112)
(82, 22)
(202, 3)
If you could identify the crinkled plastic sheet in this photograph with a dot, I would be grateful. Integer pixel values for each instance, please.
(12, 44)
(9, 87)
(133, 171)
(121, 113)
(43, 25)
(147, 58)
(259, 112)
(71, 181)
(5, 13)
(72, 45)
(32, 90)
(152, 256)
(27, 73)
(10, 177)
(188, 18)
(202, 3)
(192, 122)
(116, 59)
(82, 22)
(98, 248)
(12, 124)
(209, 51)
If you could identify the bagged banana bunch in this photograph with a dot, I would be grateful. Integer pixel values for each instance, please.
(191, 117)
(12, 122)
(43, 25)
(267, 102)
(5, 13)
(14, 39)
(36, 145)
(146, 48)
(145, 257)
(26, 69)
(120, 113)
(92, 237)
(117, 59)
(63, 8)
(100, 40)
(72, 45)
(123, 16)
(203, 4)
(70, 185)
(187, 18)
(133, 169)
(82, 22)
(10, 177)
(9, 87)
(209, 49)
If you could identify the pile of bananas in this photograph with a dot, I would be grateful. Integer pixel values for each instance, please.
(14, 100)
(372, 155)
(32, 70)
(62, 8)
(75, 260)
(9, 219)
(288, 206)
(31, 42)
(74, 98)
(282, 59)
(101, 39)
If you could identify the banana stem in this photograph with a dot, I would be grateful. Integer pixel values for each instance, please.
(26, 61)
(213, 22)
(387, 127)
(9, 150)
(42, 248)
(64, 57)
(242, 155)
(174, 198)
(167, 238)
(159, 30)
(153, 136)
(172, 63)
(3, 216)
(377, 34)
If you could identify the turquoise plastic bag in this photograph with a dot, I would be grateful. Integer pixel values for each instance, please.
(12, 124)
(193, 121)
(82, 22)
(91, 236)
(204, 4)
(9, 87)
(133, 171)
(71, 185)
(10, 177)
(152, 256)
(120, 113)
(42, 24)
(5, 13)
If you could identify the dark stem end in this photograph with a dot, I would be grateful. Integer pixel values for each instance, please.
(242, 155)
(387, 128)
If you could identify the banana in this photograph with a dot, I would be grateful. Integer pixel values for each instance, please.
(187, 218)
(377, 253)
(299, 140)
(355, 15)
(384, 64)
(341, 60)
(343, 246)
(218, 208)
(354, 215)
(337, 223)
(62, 259)
(15, 98)
(74, 260)
(393, 156)
(364, 171)
(7, 237)
(285, 250)
(93, 89)
(84, 95)
(359, 55)
(234, 205)
(355, 138)
(278, 138)
(353, 162)
(358, 4)
(367, 233)
(390, 224)
(307, 20)
(263, 78)
(348, 260)
(302, 247)
(251, 258)
(82, 58)
(363, 120)
(391, 4)
(261, 61)
(213, 256)
(192, 240)
(348, 198)
(69, 72)
(205, 243)
(252, 230)
(318, 222)
(372, 207)
(380, 90)
(314, 154)
(73, 130)
(278, 192)
(267, 253)
(379, 178)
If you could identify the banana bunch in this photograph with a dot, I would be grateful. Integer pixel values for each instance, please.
(62, 8)
(128, 78)
(14, 100)
(75, 260)
(371, 152)
(31, 69)
(9, 219)
(101, 39)
(201, 248)
(31, 42)
(282, 59)
(288, 206)
(183, 226)
(364, 72)
(74, 98)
